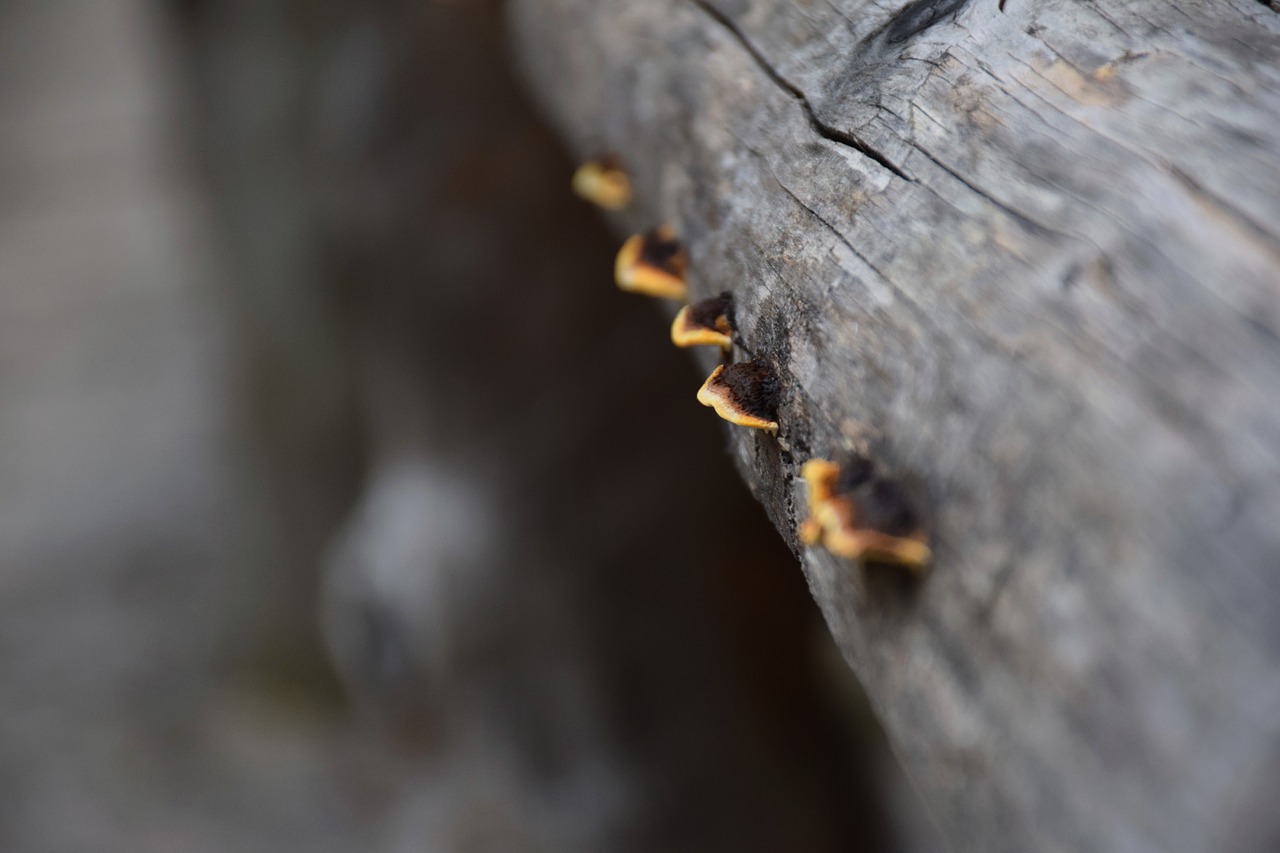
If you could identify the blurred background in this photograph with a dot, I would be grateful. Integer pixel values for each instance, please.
(345, 505)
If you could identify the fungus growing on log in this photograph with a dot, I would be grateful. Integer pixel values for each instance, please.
(745, 393)
(859, 515)
(1063, 317)
(705, 323)
(653, 263)
(604, 183)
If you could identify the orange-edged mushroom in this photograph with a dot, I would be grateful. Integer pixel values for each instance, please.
(856, 514)
(653, 263)
(705, 323)
(604, 183)
(743, 393)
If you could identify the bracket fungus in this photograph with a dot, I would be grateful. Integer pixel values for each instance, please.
(705, 323)
(604, 183)
(653, 263)
(859, 515)
(743, 393)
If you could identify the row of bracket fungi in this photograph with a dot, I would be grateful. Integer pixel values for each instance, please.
(853, 511)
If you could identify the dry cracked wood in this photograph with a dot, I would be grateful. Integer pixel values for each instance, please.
(1028, 253)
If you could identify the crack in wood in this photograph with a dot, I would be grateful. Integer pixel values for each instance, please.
(826, 131)
(1013, 213)
(1229, 212)
(906, 299)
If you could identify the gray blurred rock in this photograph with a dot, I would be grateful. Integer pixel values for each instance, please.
(128, 519)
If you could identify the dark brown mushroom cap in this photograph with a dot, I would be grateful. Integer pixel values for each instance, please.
(855, 471)
(713, 313)
(608, 163)
(744, 393)
(603, 182)
(856, 513)
(887, 507)
(660, 249)
(705, 323)
(653, 263)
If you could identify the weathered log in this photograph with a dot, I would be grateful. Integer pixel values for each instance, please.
(1027, 254)
(549, 674)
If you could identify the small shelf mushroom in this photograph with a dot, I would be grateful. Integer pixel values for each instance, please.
(705, 323)
(743, 393)
(859, 515)
(604, 183)
(653, 263)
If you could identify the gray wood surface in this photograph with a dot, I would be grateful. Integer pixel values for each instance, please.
(1029, 256)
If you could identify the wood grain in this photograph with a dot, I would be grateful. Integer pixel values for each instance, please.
(1028, 254)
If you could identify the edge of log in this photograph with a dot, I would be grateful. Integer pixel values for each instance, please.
(1026, 255)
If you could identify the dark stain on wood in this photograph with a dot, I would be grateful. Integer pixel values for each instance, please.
(915, 18)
